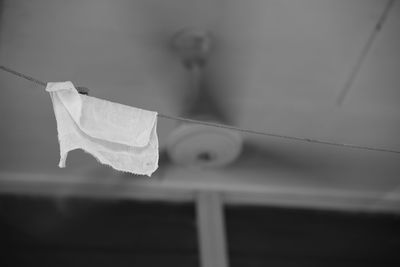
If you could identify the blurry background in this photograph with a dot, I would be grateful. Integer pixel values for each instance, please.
(324, 69)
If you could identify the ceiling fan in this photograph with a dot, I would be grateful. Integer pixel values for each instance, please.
(191, 144)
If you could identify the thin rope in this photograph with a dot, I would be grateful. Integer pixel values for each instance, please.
(81, 90)
(223, 126)
(364, 53)
(19, 74)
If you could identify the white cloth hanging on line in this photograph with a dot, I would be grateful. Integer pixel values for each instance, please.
(120, 136)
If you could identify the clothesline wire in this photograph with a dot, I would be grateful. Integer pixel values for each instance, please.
(19, 74)
(242, 130)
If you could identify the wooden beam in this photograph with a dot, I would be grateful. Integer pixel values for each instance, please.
(233, 192)
(75, 186)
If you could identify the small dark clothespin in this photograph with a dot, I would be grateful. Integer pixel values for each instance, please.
(83, 90)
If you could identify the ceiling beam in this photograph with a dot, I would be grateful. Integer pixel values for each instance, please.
(184, 190)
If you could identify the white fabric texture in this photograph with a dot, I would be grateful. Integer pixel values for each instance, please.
(120, 136)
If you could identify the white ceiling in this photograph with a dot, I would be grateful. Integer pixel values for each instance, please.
(283, 64)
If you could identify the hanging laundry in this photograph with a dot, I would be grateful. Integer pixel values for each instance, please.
(120, 136)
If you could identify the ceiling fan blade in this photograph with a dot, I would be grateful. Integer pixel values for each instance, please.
(163, 159)
(204, 102)
(164, 163)
(219, 91)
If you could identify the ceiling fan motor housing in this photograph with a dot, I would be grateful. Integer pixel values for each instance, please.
(203, 146)
(193, 47)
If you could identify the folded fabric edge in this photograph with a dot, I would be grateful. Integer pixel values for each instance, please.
(145, 137)
(68, 96)
(57, 86)
(64, 155)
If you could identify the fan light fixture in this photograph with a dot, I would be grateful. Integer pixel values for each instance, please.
(199, 145)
